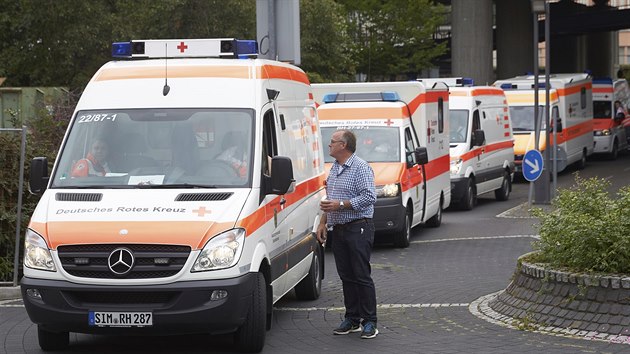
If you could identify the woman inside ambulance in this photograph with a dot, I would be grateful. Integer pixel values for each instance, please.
(95, 163)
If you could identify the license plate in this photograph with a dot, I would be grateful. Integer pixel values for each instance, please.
(120, 319)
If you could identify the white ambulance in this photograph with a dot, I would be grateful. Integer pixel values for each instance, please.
(571, 105)
(608, 129)
(481, 144)
(402, 131)
(200, 214)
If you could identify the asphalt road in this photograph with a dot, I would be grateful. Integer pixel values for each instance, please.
(425, 294)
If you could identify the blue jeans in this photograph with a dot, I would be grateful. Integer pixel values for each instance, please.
(352, 248)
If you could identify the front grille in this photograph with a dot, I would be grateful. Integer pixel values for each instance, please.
(150, 261)
(202, 197)
(78, 197)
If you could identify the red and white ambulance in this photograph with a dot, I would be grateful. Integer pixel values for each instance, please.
(173, 237)
(481, 143)
(402, 131)
(571, 108)
(608, 124)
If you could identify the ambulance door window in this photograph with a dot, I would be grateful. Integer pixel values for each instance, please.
(409, 147)
(269, 143)
(440, 115)
(583, 97)
(476, 125)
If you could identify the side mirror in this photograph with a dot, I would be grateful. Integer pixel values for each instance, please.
(38, 177)
(422, 157)
(282, 181)
(558, 124)
(478, 137)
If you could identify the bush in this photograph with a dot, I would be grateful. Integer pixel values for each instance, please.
(43, 138)
(586, 230)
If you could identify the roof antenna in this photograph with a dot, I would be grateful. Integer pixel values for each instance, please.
(166, 88)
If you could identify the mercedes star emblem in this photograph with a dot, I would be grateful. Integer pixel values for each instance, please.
(120, 261)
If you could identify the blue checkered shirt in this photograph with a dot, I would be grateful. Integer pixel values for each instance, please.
(353, 181)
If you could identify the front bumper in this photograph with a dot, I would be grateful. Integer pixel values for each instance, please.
(603, 144)
(458, 188)
(177, 308)
(389, 214)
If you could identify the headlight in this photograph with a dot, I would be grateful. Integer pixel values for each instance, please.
(388, 190)
(605, 132)
(222, 251)
(456, 166)
(36, 252)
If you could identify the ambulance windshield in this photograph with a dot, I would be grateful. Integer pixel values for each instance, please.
(523, 118)
(459, 125)
(602, 109)
(374, 144)
(157, 148)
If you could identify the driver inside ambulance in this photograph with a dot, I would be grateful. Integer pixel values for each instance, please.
(95, 163)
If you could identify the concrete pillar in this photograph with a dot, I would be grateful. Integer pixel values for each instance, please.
(514, 38)
(471, 46)
(568, 52)
(599, 56)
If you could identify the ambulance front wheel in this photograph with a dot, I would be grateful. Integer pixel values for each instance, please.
(403, 236)
(470, 196)
(250, 336)
(52, 340)
(503, 193)
(436, 220)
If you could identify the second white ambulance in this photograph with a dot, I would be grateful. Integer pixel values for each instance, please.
(402, 131)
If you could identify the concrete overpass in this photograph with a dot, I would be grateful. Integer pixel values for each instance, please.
(582, 37)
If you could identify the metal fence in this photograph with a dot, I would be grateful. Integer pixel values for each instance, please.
(18, 222)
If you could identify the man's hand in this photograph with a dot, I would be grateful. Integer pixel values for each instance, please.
(321, 233)
(329, 205)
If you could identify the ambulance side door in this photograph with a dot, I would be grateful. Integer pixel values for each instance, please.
(274, 205)
(414, 182)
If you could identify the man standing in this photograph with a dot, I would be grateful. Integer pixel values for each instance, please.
(348, 210)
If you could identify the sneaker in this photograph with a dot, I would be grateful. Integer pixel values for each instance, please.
(369, 330)
(346, 327)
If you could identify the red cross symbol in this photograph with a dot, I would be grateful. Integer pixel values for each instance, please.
(201, 211)
(182, 47)
(389, 122)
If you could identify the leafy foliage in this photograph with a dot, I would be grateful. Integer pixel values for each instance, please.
(43, 138)
(587, 230)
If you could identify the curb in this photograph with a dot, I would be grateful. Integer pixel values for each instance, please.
(10, 292)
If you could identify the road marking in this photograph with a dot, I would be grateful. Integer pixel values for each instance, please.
(476, 238)
(8, 303)
(379, 306)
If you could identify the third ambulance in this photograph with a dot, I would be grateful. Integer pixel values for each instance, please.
(402, 131)
(481, 143)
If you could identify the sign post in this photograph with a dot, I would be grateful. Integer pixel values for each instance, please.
(533, 164)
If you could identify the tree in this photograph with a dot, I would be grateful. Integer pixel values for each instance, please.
(327, 53)
(394, 38)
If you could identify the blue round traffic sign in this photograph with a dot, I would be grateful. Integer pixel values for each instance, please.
(532, 165)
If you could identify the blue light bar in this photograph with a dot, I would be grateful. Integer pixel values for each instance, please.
(330, 98)
(506, 86)
(245, 48)
(390, 96)
(540, 85)
(603, 80)
(467, 81)
(121, 49)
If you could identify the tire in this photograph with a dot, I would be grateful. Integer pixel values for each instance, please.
(614, 153)
(436, 220)
(503, 193)
(402, 237)
(311, 287)
(52, 340)
(250, 336)
(470, 197)
(581, 164)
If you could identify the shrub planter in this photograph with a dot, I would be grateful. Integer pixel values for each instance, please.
(540, 297)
